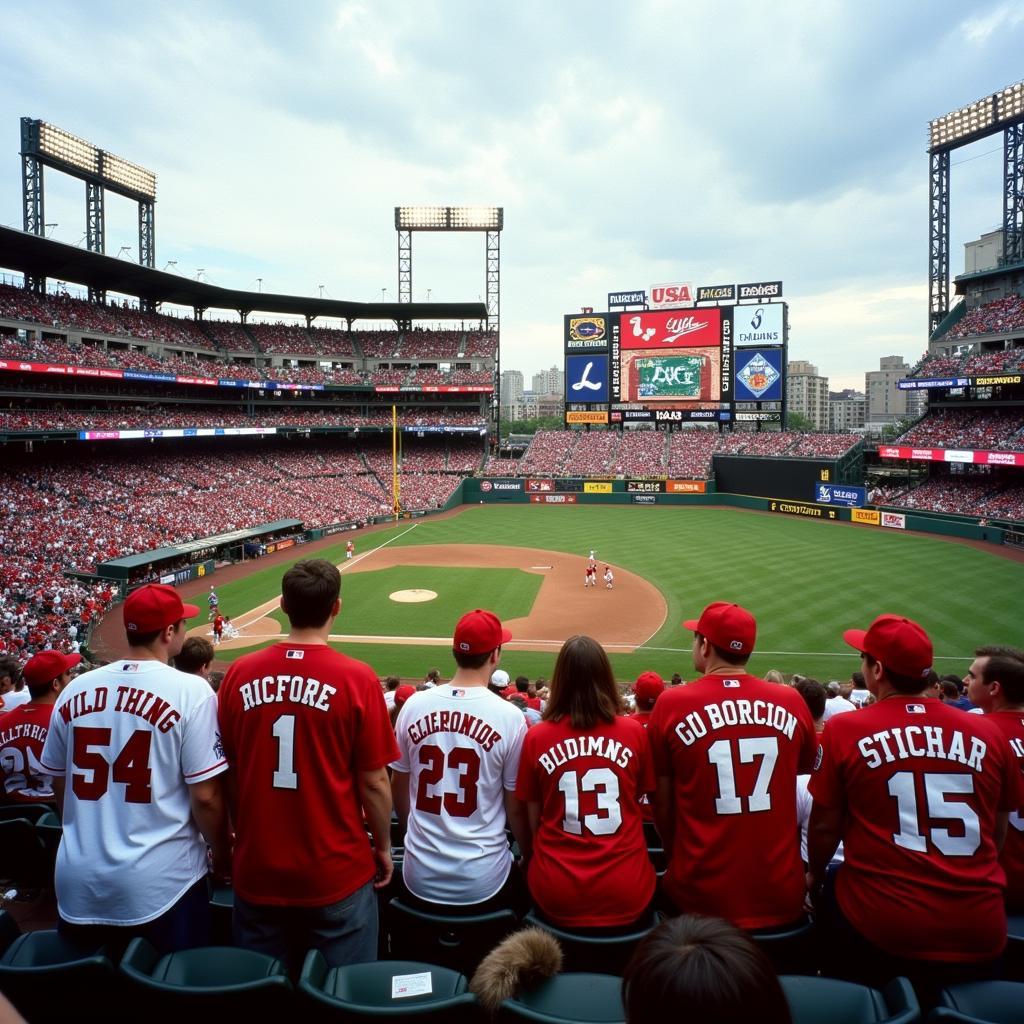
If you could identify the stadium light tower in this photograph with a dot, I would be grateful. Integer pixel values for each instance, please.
(1003, 111)
(488, 219)
(44, 144)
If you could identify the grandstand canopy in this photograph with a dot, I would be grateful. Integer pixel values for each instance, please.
(39, 257)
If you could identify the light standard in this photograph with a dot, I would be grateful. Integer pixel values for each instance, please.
(171, 263)
(428, 295)
(53, 225)
(383, 292)
(321, 287)
(123, 249)
(200, 272)
(259, 281)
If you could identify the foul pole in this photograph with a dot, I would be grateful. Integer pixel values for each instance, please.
(396, 494)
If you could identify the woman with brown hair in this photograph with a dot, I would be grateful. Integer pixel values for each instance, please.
(582, 772)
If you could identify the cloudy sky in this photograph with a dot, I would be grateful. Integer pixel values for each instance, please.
(628, 144)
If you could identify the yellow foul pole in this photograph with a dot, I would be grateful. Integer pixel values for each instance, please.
(396, 496)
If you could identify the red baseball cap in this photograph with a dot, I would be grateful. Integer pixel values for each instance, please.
(153, 607)
(899, 644)
(478, 632)
(403, 693)
(727, 626)
(44, 667)
(648, 685)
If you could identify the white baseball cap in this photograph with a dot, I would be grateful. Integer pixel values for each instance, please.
(499, 677)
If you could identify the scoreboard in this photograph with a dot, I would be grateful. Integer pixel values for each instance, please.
(711, 363)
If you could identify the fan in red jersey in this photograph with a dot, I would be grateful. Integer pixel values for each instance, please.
(728, 748)
(919, 792)
(582, 772)
(308, 736)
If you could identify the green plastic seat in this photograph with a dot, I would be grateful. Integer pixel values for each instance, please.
(47, 977)
(820, 1000)
(984, 1002)
(361, 992)
(581, 998)
(33, 812)
(222, 908)
(458, 943)
(791, 950)
(603, 954)
(213, 980)
(23, 860)
(50, 831)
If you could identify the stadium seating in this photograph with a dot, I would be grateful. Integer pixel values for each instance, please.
(583, 998)
(605, 954)
(814, 1000)
(996, 429)
(1004, 316)
(997, 1002)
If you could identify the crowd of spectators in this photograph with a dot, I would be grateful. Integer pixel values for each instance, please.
(968, 495)
(595, 451)
(690, 453)
(996, 429)
(641, 453)
(1003, 316)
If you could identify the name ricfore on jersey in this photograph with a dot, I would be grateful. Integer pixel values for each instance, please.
(286, 687)
(585, 746)
(131, 700)
(910, 741)
(735, 712)
(460, 722)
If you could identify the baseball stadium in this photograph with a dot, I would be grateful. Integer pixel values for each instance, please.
(160, 429)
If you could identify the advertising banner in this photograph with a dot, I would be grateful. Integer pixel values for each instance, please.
(486, 486)
(800, 508)
(67, 371)
(716, 293)
(586, 417)
(134, 435)
(920, 384)
(758, 325)
(587, 333)
(637, 297)
(868, 516)
(693, 329)
(686, 486)
(539, 486)
(761, 290)
(758, 373)
(894, 520)
(591, 487)
(644, 499)
(977, 458)
(586, 379)
(553, 499)
(671, 296)
(840, 494)
(645, 486)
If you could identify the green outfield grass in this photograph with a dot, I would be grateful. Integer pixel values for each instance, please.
(805, 582)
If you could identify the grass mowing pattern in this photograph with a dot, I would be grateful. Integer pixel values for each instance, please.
(805, 581)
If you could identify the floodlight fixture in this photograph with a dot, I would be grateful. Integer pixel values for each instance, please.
(448, 218)
(977, 120)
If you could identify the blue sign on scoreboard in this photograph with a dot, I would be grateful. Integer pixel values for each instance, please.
(840, 494)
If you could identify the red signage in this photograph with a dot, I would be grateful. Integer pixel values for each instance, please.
(553, 499)
(448, 389)
(964, 455)
(668, 296)
(67, 371)
(684, 328)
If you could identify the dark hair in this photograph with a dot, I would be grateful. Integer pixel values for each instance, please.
(582, 685)
(392, 683)
(901, 683)
(519, 700)
(471, 661)
(949, 689)
(858, 680)
(724, 654)
(136, 639)
(1005, 665)
(813, 694)
(705, 967)
(195, 652)
(42, 689)
(308, 592)
(434, 674)
(522, 684)
(10, 666)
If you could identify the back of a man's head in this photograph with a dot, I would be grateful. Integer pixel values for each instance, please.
(195, 652)
(308, 592)
(813, 694)
(950, 691)
(522, 684)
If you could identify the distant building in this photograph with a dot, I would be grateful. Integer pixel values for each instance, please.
(807, 392)
(886, 403)
(511, 386)
(847, 411)
(548, 382)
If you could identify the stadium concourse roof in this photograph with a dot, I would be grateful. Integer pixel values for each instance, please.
(39, 257)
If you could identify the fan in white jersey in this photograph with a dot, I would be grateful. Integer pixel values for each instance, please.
(134, 751)
(454, 781)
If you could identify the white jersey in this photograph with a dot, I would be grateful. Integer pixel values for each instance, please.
(837, 706)
(858, 698)
(460, 747)
(15, 698)
(132, 736)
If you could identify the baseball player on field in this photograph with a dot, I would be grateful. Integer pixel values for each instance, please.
(454, 782)
(137, 741)
(212, 601)
(350, 550)
(218, 628)
(590, 579)
(609, 577)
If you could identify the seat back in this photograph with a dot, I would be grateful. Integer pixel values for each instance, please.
(459, 943)
(387, 989)
(583, 998)
(23, 859)
(842, 1002)
(1000, 1002)
(601, 954)
(791, 950)
(33, 812)
(1013, 958)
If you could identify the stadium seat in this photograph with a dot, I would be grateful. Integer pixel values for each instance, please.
(31, 811)
(49, 830)
(651, 837)
(458, 943)
(605, 954)
(791, 950)
(1013, 958)
(23, 861)
(48, 978)
(366, 992)
(214, 982)
(222, 908)
(981, 1002)
(658, 858)
(812, 1000)
(583, 998)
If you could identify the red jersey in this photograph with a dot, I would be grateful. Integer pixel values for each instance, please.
(218, 623)
(299, 722)
(22, 735)
(733, 747)
(590, 867)
(1011, 724)
(920, 784)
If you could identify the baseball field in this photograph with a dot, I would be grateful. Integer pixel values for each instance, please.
(804, 581)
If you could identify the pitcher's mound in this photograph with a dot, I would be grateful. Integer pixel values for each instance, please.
(412, 596)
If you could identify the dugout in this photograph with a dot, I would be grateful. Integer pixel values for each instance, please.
(192, 559)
